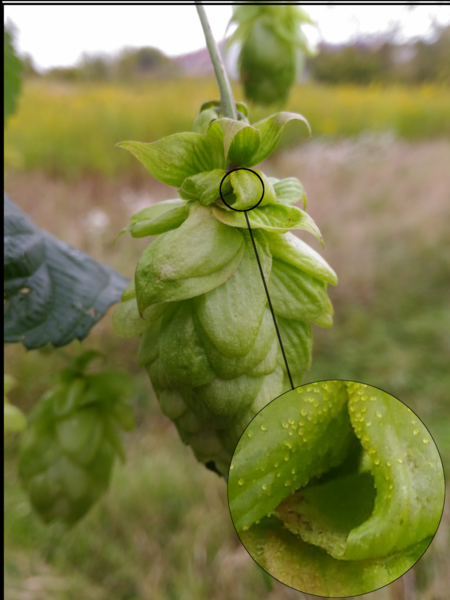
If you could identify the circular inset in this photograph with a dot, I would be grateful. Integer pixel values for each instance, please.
(241, 209)
(336, 488)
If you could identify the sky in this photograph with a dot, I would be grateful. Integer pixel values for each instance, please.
(58, 35)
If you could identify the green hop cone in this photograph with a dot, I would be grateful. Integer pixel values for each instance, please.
(14, 420)
(208, 341)
(72, 438)
(272, 49)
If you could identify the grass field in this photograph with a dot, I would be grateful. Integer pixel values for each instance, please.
(382, 202)
(71, 130)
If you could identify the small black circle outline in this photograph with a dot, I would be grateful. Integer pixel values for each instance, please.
(241, 169)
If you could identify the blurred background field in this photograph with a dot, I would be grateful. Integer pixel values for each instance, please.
(70, 129)
(378, 184)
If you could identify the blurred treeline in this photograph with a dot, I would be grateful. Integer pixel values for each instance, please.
(376, 59)
(128, 64)
(380, 60)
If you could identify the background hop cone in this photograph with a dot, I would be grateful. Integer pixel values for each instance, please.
(68, 448)
(208, 341)
(14, 420)
(272, 49)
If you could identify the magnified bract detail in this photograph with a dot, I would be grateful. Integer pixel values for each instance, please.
(336, 488)
(208, 341)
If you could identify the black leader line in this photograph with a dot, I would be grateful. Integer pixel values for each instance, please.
(269, 301)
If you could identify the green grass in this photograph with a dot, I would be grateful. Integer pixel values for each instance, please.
(70, 130)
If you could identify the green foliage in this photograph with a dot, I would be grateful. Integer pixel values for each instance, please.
(346, 468)
(431, 59)
(272, 49)
(12, 75)
(72, 437)
(144, 61)
(383, 61)
(350, 64)
(53, 293)
(130, 64)
(207, 339)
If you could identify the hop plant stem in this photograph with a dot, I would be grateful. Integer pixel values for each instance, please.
(226, 93)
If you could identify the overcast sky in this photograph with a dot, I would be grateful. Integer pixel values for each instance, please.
(58, 35)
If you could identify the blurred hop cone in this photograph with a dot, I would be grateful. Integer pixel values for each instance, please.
(273, 47)
(72, 437)
(13, 418)
(208, 341)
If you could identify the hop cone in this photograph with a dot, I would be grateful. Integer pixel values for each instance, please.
(68, 448)
(208, 341)
(13, 418)
(272, 49)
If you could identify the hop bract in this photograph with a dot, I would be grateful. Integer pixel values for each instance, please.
(208, 341)
(272, 49)
(72, 438)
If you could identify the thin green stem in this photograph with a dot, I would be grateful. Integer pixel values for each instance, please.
(226, 94)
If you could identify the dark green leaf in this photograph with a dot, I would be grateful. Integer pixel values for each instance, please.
(54, 293)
